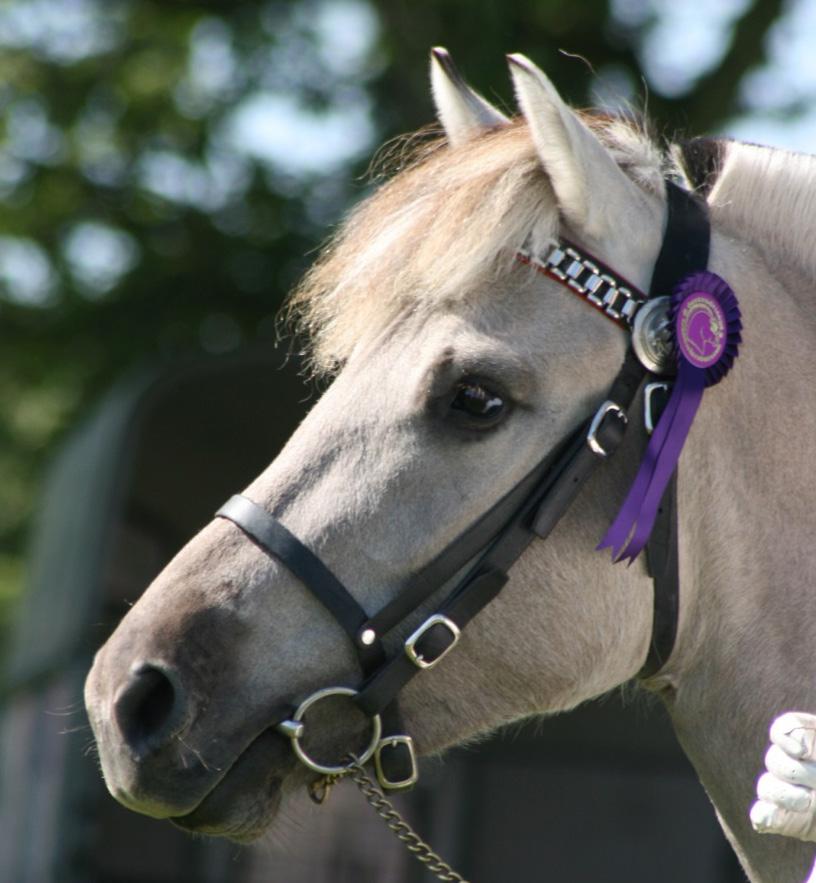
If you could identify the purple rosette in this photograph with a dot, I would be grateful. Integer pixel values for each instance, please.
(704, 317)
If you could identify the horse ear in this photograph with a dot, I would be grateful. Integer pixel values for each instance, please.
(462, 112)
(590, 188)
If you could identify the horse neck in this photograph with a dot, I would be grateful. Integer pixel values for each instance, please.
(768, 196)
(746, 483)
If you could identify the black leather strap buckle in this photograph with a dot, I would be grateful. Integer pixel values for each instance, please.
(432, 641)
(602, 439)
(395, 763)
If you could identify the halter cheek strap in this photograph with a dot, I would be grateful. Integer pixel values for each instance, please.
(498, 538)
(685, 249)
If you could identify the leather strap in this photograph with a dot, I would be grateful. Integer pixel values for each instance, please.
(488, 576)
(685, 250)
(464, 548)
(663, 563)
(559, 497)
(277, 541)
(378, 693)
(686, 242)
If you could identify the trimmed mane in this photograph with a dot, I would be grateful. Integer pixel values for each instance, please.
(451, 220)
(768, 196)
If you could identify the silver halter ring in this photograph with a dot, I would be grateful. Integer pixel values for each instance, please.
(294, 728)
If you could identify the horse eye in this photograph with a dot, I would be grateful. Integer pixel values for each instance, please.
(477, 403)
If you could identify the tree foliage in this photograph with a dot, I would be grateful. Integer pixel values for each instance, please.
(154, 196)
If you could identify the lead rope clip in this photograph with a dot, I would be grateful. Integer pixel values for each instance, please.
(321, 788)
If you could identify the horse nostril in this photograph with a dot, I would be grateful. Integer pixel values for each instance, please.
(148, 708)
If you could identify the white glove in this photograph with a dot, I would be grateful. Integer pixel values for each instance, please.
(787, 791)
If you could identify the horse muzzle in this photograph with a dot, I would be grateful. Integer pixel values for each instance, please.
(164, 750)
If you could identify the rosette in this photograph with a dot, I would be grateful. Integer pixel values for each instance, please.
(704, 317)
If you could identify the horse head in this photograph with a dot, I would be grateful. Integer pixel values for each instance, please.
(457, 370)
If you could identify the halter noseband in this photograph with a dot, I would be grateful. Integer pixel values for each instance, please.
(498, 538)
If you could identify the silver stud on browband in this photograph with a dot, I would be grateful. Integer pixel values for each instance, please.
(368, 637)
(651, 336)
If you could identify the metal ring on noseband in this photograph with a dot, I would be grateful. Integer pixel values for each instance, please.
(293, 729)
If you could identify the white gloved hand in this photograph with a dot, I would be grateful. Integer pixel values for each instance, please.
(787, 791)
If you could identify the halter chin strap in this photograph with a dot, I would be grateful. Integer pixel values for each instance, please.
(498, 538)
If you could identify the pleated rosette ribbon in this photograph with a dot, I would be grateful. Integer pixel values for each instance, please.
(704, 318)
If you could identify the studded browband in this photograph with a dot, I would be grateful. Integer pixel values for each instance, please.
(588, 277)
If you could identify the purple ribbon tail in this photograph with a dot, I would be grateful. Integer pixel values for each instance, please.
(633, 525)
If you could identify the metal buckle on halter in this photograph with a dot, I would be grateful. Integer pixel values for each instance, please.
(406, 743)
(293, 730)
(607, 407)
(649, 417)
(410, 645)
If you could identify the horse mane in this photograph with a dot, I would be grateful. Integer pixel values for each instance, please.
(447, 219)
(766, 195)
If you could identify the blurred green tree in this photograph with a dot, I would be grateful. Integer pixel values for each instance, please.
(167, 167)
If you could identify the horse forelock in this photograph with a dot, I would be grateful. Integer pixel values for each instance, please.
(443, 227)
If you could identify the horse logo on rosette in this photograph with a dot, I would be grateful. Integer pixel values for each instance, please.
(701, 330)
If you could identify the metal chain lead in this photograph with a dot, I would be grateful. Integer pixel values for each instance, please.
(413, 842)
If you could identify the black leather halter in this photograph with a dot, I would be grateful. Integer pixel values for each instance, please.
(498, 538)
